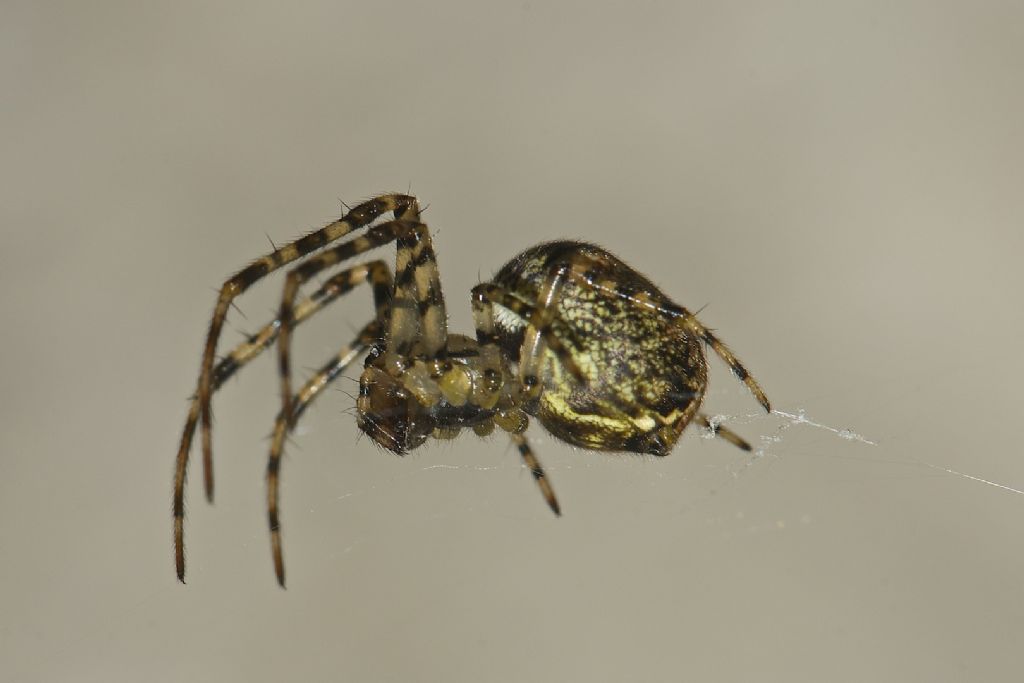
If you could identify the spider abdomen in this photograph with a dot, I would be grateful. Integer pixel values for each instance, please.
(642, 375)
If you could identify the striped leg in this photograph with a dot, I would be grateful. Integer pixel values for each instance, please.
(537, 339)
(415, 262)
(727, 434)
(694, 326)
(359, 217)
(543, 332)
(418, 288)
(375, 272)
(688, 321)
(486, 296)
(284, 425)
(530, 460)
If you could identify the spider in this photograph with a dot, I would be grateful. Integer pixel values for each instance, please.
(565, 332)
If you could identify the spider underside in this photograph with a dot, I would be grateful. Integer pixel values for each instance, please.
(565, 332)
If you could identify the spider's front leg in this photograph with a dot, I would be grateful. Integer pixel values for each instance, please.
(359, 217)
(313, 387)
(417, 310)
(415, 319)
(374, 272)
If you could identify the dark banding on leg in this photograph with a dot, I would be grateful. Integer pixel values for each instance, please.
(284, 425)
(376, 272)
(690, 323)
(531, 462)
(359, 217)
(371, 239)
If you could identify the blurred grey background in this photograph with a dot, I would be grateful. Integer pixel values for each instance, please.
(838, 184)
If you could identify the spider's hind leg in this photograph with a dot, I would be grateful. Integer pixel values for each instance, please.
(689, 322)
(723, 432)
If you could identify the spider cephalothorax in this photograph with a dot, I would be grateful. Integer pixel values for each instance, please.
(403, 401)
(565, 332)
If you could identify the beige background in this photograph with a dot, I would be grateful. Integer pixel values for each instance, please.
(839, 185)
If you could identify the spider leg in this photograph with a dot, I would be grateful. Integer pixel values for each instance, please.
(727, 434)
(418, 288)
(549, 331)
(376, 272)
(285, 423)
(530, 460)
(694, 326)
(539, 333)
(486, 295)
(414, 239)
(687, 320)
(359, 217)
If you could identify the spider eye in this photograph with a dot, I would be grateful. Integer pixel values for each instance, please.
(373, 354)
